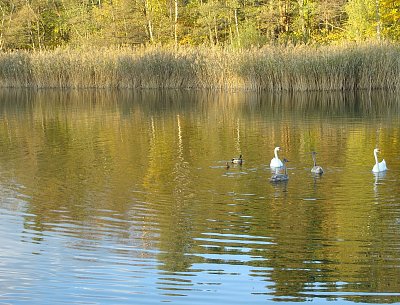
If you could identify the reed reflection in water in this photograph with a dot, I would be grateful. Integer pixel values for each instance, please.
(122, 197)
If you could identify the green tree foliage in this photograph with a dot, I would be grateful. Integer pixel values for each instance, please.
(44, 24)
(329, 18)
(362, 19)
(373, 18)
(390, 18)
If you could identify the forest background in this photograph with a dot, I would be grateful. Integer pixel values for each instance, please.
(47, 24)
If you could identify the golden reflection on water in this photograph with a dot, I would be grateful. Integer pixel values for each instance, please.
(147, 170)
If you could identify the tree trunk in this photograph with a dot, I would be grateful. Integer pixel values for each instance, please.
(38, 35)
(237, 27)
(378, 20)
(150, 29)
(2, 26)
(176, 24)
(283, 16)
(148, 19)
(216, 30)
(230, 34)
(210, 35)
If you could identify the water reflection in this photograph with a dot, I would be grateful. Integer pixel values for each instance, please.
(126, 195)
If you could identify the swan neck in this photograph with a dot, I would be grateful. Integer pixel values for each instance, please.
(276, 153)
(376, 157)
(314, 159)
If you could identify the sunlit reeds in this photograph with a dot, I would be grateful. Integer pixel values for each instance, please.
(300, 68)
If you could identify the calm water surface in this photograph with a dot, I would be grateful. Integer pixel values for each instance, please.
(125, 198)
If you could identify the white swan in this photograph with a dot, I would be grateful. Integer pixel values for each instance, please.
(275, 162)
(316, 168)
(281, 177)
(379, 166)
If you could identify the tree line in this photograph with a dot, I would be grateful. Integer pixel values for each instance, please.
(48, 24)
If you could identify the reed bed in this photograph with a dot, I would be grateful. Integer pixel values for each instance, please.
(301, 68)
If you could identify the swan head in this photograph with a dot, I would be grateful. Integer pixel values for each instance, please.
(277, 148)
(376, 150)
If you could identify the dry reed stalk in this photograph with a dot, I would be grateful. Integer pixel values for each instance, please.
(296, 68)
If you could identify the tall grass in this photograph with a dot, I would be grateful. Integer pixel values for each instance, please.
(301, 68)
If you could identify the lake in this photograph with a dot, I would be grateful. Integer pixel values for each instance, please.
(125, 198)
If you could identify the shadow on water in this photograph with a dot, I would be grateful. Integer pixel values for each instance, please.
(128, 182)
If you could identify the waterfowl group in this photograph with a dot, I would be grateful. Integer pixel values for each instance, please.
(276, 164)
